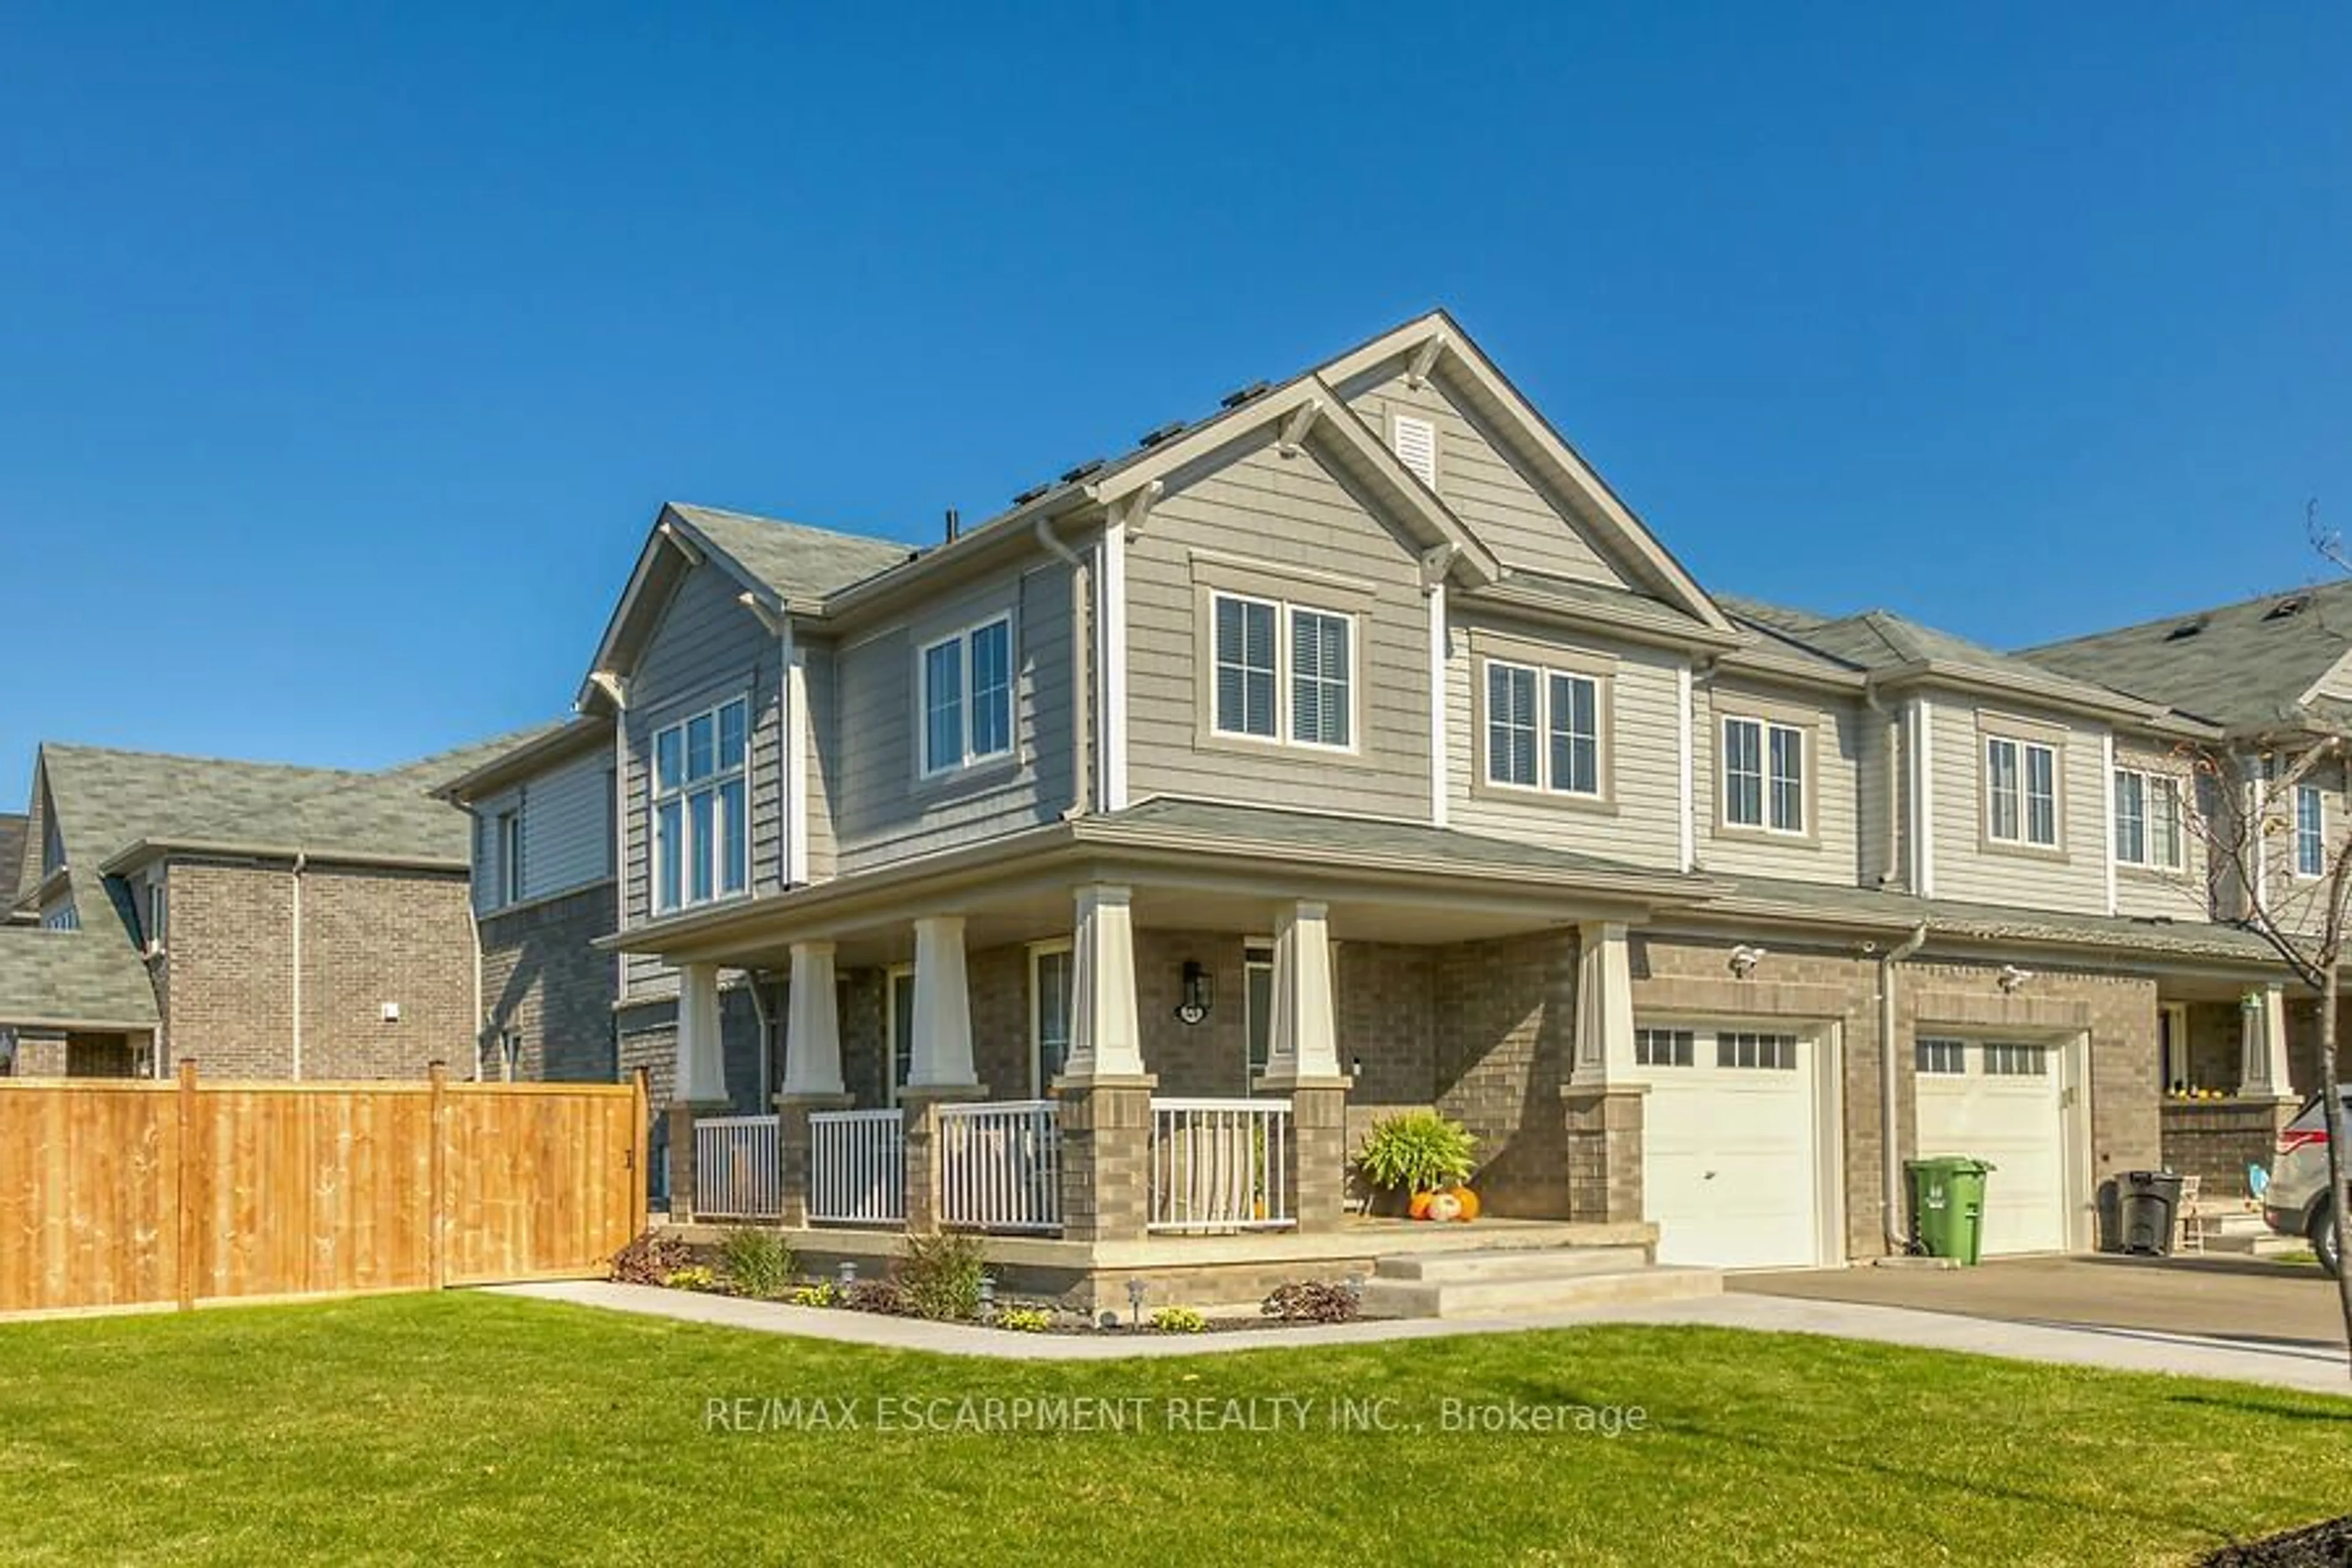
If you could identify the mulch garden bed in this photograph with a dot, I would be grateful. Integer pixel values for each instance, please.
(2327, 1545)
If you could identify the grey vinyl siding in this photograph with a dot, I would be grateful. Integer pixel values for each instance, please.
(880, 810)
(1829, 848)
(2177, 895)
(819, 671)
(2299, 903)
(707, 650)
(1493, 496)
(2074, 878)
(567, 831)
(1877, 840)
(1642, 826)
(1256, 510)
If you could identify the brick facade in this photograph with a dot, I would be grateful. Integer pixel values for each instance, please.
(542, 978)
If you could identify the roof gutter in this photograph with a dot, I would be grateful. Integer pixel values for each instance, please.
(146, 849)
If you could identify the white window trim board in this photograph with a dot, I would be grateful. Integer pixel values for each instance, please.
(2107, 760)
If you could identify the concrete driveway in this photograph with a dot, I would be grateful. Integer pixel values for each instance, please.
(2238, 1299)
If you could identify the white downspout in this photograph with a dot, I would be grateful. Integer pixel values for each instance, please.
(300, 860)
(474, 928)
(1889, 1082)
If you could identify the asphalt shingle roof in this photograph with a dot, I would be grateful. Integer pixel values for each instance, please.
(13, 829)
(70, 977)
(2241, 665)
(797, 561)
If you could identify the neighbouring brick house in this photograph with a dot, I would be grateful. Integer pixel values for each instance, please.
(264, 920)
(1354, 747)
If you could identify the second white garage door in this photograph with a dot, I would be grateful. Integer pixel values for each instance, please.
(1730, 1166)
(2000, 1101)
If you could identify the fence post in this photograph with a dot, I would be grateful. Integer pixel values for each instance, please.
(187, 1198)
(640, 1149)
(437, 1243)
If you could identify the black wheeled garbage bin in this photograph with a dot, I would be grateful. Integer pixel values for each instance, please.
(2151, 1200)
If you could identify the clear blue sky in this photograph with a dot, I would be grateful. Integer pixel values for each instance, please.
(346, 351)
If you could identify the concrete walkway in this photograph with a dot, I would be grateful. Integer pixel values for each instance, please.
(2304, 1368)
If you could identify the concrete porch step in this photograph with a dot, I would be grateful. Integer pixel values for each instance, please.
(1513, 1284)
(2266, 1243)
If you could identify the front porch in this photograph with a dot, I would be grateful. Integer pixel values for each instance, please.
(2234, 1063)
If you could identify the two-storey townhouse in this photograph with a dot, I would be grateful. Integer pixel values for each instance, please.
(260, 920)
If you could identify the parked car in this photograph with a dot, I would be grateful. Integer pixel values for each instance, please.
(2295, 1202)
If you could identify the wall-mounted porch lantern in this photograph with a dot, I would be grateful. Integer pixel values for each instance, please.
(1200, 992)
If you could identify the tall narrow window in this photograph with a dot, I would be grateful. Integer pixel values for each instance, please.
(158, 911)
(1575, 734)
(2131, 817)
(1763, 775)
(700, 827)
(1245, 681)
(510, 857)
(2001, 810)
(2148, 820)
(1258, 1008)
(967, 697)
(2041, 795)
(898, 1022)
(2310, 831)
(1319, 677)
(1051, 972)
(2021, 791)
(1511, 725)
(1743, 773)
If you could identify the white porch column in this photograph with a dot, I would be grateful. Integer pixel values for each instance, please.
(701, 1058)
(942, 1007)
(2262, 1071)
(812, 1024)
(1106, 1038)
(1604, 1004)
(1306, 1038)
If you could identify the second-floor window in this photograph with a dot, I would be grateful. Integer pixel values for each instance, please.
(2148, 820)
(2310, 831)
(1543, 729)
(2020, 793)
(1283, 672)
(510, 857)
(1763, 775)
(967, 697)
(701, 807)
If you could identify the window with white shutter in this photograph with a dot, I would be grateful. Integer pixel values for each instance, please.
(1416, 447)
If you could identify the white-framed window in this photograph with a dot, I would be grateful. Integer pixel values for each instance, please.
(1415, 440)
(2021, 791)
(2310, 831)
(1764, 776)
(1283, 672)
(159, 910)
(1257, 1009)
(1664, 1048)
(65, 917)
(898, 1026)
(701, 803)
(967, 697)
(1052, 976)
(510, 857)
(2005, 1060)
(1771, 1053)
(1946, 1057)
(2148, 820)
(1543, 729)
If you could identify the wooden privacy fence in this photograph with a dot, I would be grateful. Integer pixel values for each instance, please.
(119, 1193)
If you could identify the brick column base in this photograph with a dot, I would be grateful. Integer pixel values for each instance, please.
(794, 1145)
(1605, 1153)
(921, 1108)
(1315, 1154)
(1106, 1158)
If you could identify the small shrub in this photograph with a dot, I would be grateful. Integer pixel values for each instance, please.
(1415, 1151)
(650, 1259)
(883, 1296)
(1178, 1321)
(756, 1263)
(1025, 1319)
(941, 1275)
(823, 1293)
(1310, 1302)
(693, 1278)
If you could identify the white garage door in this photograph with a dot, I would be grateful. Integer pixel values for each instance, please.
(2000, 1102)
(1730, 1163)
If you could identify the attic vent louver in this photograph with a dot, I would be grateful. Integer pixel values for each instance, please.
(2185, 630)
(1025, 497)
(1082, 471)
(1236, 399)
(1166, 432)
(2286, 607)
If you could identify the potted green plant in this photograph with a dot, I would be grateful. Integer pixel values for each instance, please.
(1420, 1157)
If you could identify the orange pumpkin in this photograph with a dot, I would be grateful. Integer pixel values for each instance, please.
(1468, 1200)
(1420, 1208)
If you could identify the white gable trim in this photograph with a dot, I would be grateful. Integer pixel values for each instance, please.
(672, 541)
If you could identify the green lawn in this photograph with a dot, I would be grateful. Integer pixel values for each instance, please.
(474, 1428)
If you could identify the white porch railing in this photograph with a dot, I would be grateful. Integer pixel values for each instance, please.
(737, 1172)
(1216, 1166)
(858, 1167)
(1001, 1165)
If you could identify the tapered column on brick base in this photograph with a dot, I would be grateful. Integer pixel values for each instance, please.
(1106, 1157)
(681, 1164)
(921, 1110)
(794, 1143)
(1605, 1153)
(1315, 1153)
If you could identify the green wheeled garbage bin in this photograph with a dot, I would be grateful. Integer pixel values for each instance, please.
(1947, 1207)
